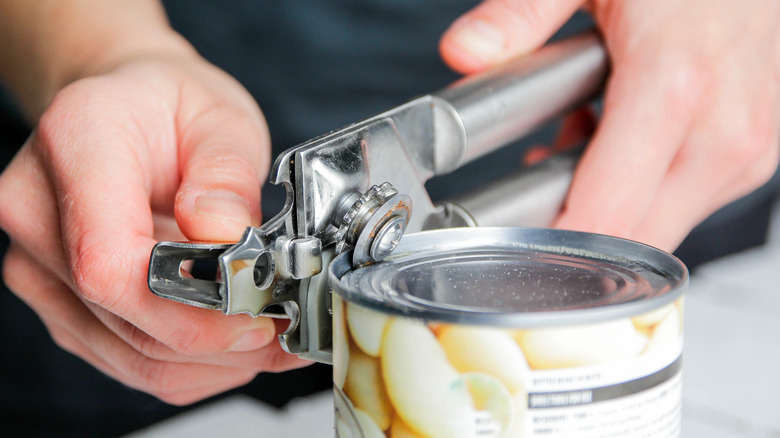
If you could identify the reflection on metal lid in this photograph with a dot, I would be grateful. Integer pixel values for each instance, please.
(513, 277)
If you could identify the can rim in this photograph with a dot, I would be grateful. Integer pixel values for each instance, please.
(553, 242)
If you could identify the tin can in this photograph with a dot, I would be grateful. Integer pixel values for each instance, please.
(509, 332)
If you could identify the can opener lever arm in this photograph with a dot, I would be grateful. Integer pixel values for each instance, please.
(354, 188)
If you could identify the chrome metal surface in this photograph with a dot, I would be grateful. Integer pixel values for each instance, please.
(166, 278)
(387, 238)
(531, 198)
(487, 111)
(374, 224)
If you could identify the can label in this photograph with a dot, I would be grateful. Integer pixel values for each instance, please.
(400, 377)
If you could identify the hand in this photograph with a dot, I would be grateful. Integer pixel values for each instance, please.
(691, 111)
(119, 160)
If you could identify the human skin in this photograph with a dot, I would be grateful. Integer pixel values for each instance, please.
(138, 139)
(690, 117)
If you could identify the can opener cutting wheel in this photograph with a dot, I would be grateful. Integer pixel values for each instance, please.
(361, 188)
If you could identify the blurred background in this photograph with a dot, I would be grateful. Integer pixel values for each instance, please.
(317, 66)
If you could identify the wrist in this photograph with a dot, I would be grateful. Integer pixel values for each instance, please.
(48, 44)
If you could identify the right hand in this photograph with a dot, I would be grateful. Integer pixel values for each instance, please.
(153, 148)
(691, 115)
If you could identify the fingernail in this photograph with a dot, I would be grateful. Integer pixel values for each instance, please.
(479, 38)
(223, 205)
(252, 340)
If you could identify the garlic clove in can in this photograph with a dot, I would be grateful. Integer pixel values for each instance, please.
(367, 328)
(666, 338)
(645, 322)
(367, 425)
(340, 343)
(487, 350)
(493, 403)
(422, 385)
(580, 345)
(365, 387)
(399, 429)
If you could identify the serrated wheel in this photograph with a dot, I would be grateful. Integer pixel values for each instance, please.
(373, 224)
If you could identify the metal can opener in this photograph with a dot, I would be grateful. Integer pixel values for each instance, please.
(361, 188)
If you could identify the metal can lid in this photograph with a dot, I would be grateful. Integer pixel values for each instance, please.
(515, 277)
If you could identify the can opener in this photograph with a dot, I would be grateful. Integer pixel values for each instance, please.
(361, 188)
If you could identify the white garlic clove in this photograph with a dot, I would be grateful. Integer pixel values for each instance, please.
(340, 343)
(367, 328)
(680, 303)
(343, 430)
(493, 403)
(422, 384)
(666, 338)
(580, 345)
(399, 429)
(367, 425)
(365, 387)
(486, 350)
(645, 322)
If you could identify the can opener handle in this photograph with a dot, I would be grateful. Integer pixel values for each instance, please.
(353, 190)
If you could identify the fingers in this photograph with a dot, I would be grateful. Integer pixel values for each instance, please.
(77, 330)
(30, 213)
(100, 172)
(668, 153)
(731, 150)
(225, 157)
(269, 358)
(499, 30)
(627, 160)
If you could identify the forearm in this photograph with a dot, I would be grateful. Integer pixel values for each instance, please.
(46, 44)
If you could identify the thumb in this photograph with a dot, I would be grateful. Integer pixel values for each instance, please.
(499, 30)
(224, 159)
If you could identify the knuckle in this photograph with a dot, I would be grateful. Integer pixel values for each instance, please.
(143, 343)
(95, 270)
(758, 148)
(64, 340)
(9, 196)
(66, 106)
(196, 339)
(749, 143)
(10, 273)
(185, 340)
(79, 107)
(85, 268)
(766, 167)
(686, 88)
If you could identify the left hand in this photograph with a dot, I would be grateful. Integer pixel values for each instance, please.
(691, 110)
